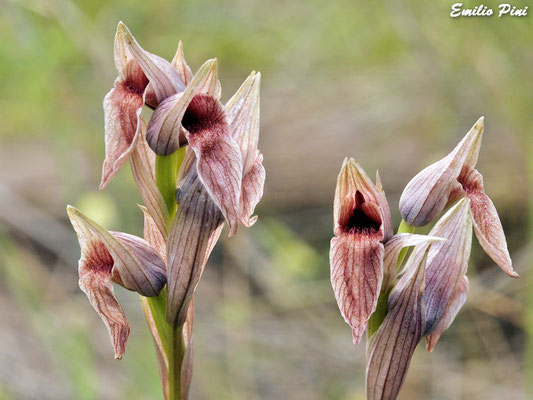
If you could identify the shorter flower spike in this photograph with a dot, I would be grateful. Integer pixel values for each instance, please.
(193, 234)
(391, 348)
(428, 193)
(361, 218)
(114, 257)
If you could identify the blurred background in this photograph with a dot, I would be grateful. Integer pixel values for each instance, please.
(395, 86)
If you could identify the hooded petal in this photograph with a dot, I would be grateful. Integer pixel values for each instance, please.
(391, 348)
(164, 129)
(122, 109)
(392, 251)
(487, 224)
(372, 212)
(447, 261)
(427, 194)
(455, 303)
(143, 173)
(193, 234)
(136, 265)
(164, 78)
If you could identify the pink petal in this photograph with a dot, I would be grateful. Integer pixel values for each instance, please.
(455, 303)
(122, 109)
(219, 160)
(447, 261)
(427, 194)
(96, 282)
(356, 262)
(179, 63)
(487, 224)
(252, 190)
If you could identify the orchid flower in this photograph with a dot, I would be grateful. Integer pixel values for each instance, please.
(363, 253)
(454, 177)
(115, 257)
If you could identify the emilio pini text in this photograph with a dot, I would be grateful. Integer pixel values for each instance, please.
(504, 9)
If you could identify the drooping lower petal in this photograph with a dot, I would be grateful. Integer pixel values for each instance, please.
(487, 224)
(193, 234)
(218, 158)
(455, 303)
(391, 348)
(98, 286)
(356, 263)
(427, 194)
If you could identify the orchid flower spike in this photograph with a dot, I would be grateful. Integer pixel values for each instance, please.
(115, 257)
(454, 177)
(188, 111)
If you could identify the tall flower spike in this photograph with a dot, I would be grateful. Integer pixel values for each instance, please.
(391, 348)
(243, 116)
(122, 108)
(114, 257)
(450, 179)
(194, 232)
(362, 223)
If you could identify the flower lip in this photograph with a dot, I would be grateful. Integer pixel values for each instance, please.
(364, 219)
(203, 113)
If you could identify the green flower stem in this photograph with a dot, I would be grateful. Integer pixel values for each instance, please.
(166, 173)
(404, 228)
(382, 307)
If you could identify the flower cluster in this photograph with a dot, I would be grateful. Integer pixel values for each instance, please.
(221, 179)
(399, 308)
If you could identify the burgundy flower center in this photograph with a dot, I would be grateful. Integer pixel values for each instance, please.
(98, 258)
(470, 180)
(135, 80)
(365, 217)
(204, 113)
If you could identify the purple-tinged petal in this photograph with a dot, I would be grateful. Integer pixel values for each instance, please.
(96, 282)
(455, 303)
(243, 116)
(165, 134)
(136, 265)
(252, 190)
(164, 79)
(487, 224)
(447, 261)
(391, 348)
(152, 234)
(393, 247)
(179, 63)
(356, 263)
(143, 173)
(427, 194)
(218, 158)
(193, 234)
